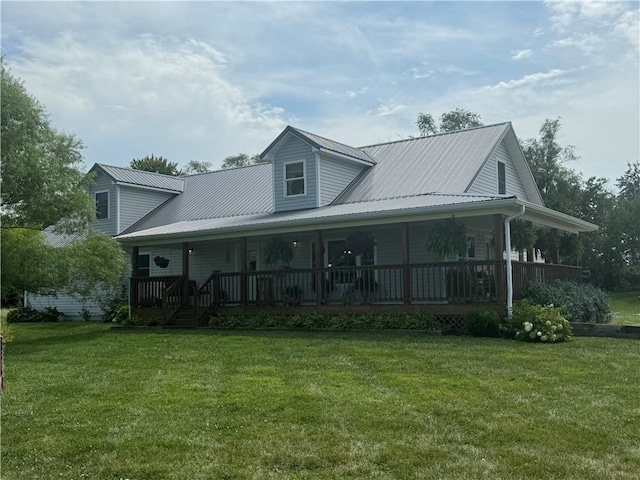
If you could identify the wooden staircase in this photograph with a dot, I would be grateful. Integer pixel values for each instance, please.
(186, 317)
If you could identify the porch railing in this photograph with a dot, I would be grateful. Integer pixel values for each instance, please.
(525, 272)
(438, 282)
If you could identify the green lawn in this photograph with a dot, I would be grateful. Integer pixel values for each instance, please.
(625, 307)
(83, 402)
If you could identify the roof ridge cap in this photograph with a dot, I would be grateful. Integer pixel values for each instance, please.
(179, 177)
(434, 135)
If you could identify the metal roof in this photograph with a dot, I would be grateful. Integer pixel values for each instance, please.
(344, 211)
(219, 194)
(444, 163)
(142, 178)
(323, 144)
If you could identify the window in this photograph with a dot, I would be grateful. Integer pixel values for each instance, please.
(294, 180)
(502, 179)
(143, 266)
(102, 205)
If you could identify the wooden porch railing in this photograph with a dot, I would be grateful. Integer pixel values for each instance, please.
(439, 282)
(525, 272)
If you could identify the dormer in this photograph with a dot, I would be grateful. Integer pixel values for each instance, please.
(310, 171)
(123, 195)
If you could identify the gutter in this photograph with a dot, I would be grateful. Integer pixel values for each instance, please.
(507, 247)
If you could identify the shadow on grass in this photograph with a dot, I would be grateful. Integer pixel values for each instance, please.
(415, 336)
(65, 335)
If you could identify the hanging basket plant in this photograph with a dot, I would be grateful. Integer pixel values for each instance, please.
(523, 237)
(277, 251)
(360, 242)
(447, 238)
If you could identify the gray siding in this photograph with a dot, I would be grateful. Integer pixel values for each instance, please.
(135, 203)
(487, 180)
(102, 184)
(66, 304)
(335, 176)
(295, 150)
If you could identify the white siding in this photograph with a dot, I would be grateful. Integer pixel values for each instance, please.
(104, 184)
(487, 180)
(135, 203)
(295, 150)
(335, 176)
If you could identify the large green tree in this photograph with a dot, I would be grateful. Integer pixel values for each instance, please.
(154, 164)
(44, 190)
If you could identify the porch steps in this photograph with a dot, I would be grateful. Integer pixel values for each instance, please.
(185, 318)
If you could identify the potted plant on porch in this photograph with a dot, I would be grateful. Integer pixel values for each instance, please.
(448, 238)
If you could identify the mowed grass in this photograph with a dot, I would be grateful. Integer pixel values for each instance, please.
(625, 307)
(83, 402)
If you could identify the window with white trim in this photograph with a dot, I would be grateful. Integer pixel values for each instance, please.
(294, 180)
(102, 205)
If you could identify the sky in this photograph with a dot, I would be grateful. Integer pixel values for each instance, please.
(204, 80)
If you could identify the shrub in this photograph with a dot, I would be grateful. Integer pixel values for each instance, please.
(121, 314)
(142, 321)
(313, 320)
(29, 314)
(110, 302)
(482, 323)
(85, 314)
(582, 302)
(539, 323)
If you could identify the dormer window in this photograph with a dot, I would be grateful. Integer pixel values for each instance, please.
(102, 205)
(502, 179)
(294, 179)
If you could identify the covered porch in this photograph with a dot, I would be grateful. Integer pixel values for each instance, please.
(188, 281)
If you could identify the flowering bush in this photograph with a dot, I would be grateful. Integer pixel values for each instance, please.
(540, 323)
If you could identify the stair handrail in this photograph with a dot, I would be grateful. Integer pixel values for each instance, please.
(173, 291)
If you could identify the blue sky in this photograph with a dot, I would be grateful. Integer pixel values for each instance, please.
(204, 80)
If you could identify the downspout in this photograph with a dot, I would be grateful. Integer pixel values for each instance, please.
(507, 247)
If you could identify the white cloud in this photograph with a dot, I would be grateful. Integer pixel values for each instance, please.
(564, 14)
(520, 54)
(172, 93)
(538, 32)
(528, 80)
(627, 27)
(388, 108)
(587, 44)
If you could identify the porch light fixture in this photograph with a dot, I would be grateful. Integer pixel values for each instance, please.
(295, 243)
(190, 251)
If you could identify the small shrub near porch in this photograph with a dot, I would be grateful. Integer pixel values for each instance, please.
(538, 323)
(582, 302)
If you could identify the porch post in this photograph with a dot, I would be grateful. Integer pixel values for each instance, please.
(555, 248)
(243, 271)
(319, 277)
(531, 255)
(406, 270)
(498, 240)
(185, 272)
(133, 288)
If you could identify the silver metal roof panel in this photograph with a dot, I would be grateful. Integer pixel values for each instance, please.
(145, 179)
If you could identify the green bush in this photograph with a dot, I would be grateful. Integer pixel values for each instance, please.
(29, 314)
(539, 323)
(582, 301)
(316, 320)
(482, 323)
(142, 321)
(121, 314)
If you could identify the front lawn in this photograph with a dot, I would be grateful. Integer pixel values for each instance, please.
(84, 402)
(625, 308)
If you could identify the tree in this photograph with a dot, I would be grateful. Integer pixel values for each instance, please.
(41, 181)
(629, 183)
(43, 188)
(241, 160)
(195, 166)
(457, 119)
(154, 164)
